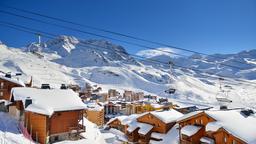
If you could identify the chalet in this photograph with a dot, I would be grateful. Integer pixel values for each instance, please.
(147, 126)
(228, 126)
(95, 113)
(118, 123)
(6, 84)
(48, 114)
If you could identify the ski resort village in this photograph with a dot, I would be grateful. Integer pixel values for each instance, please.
(119, 72)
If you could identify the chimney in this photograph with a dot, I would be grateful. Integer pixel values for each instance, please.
(8, 75)
(45, 86)
(28, 101)
(63, 86)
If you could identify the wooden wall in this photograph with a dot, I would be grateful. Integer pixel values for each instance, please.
(62, 122)
(117, 125)
(37, 124)
(159, 126)
(96, 117)
(6, 89)
(200, 119)
(221, 134)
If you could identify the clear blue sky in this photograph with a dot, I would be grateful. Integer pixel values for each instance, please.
(209, 26)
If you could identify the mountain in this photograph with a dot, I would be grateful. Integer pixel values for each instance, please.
(240, 65)
(70, 60)
(77, 53)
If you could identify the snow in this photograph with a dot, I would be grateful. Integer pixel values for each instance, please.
(157, 135)
(144, 128)
(167, 116)
(186, 116)
(190, 130)
(120, 118)
(117, 74)
(213, 126)
(154, 53)
(92, 134)
(207, 140)
(235, 123)
(47, 101)
(93, 106)
(9, 131)
(13, 80)
(171, 137)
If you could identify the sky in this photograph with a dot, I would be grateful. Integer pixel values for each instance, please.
(207, 26)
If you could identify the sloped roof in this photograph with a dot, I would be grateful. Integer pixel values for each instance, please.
(167, 116)
(47, 101)
(16, 81)
(235, 123)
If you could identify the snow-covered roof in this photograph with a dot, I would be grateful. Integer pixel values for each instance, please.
(190, 130)
(235, 123)
(144, 128)
(157, 135)
(213, 126)
(168, 115)
(93, 106)
(186, 116)
(47, 101)
(156, 105)
(16, 81)
(120, 118)
(207, 140)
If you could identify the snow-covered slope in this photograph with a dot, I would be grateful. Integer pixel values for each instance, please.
(81, 53)
(67, 60)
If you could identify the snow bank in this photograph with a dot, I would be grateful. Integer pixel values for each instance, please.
(9, 131)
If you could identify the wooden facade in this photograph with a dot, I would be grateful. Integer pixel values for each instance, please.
(6, 87)
(159, 125)
(202, 119)
(95, 116)
(116, 124)
(59, 126)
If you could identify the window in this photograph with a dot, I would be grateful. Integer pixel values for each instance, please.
(196, 121)
(201, 121)
(2, 85)
(1, 94)
(225, 139)
(234, 142)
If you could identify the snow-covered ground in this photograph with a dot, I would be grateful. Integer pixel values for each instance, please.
(117, 73)
(9, 131)
(67, 61)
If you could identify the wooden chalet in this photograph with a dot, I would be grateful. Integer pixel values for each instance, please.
(49, 115)
(117, 123)
(217, 127)
(139, 127)
(6, 84)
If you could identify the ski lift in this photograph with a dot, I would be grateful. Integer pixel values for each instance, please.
(170, 90)
(222, 96)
